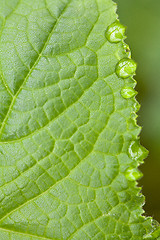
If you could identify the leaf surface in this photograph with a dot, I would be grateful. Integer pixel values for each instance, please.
(66, 132)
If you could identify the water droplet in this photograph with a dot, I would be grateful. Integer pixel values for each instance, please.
(136, 106)
(125, 68)
(133, 174)
(137, 152)
(115, 32)
(127, 50)
(155, 232)
(128, 92)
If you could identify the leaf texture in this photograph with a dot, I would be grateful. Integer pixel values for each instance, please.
(65, 129)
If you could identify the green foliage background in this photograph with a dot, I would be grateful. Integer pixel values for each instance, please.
(142, 18)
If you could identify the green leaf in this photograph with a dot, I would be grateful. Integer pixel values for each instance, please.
(69, 148)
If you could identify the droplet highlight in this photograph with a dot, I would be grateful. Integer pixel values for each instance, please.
(137, 152)
(125, 68)
(133, 174)
(128, 92)
(115, 32)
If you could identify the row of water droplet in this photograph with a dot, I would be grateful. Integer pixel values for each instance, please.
(126, 68)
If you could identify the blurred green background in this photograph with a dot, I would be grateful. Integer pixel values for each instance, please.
(142, 18)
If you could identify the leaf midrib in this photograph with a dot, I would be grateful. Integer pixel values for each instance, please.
(31, 70)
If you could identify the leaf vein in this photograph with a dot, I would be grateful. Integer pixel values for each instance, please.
(31, 70)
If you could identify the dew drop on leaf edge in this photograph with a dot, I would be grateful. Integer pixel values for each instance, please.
(115, 32)
(133, 174)
(127, 50)
(128, 92)
(125, 68)
(155, 233)
(137, 152)
(136, 106)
